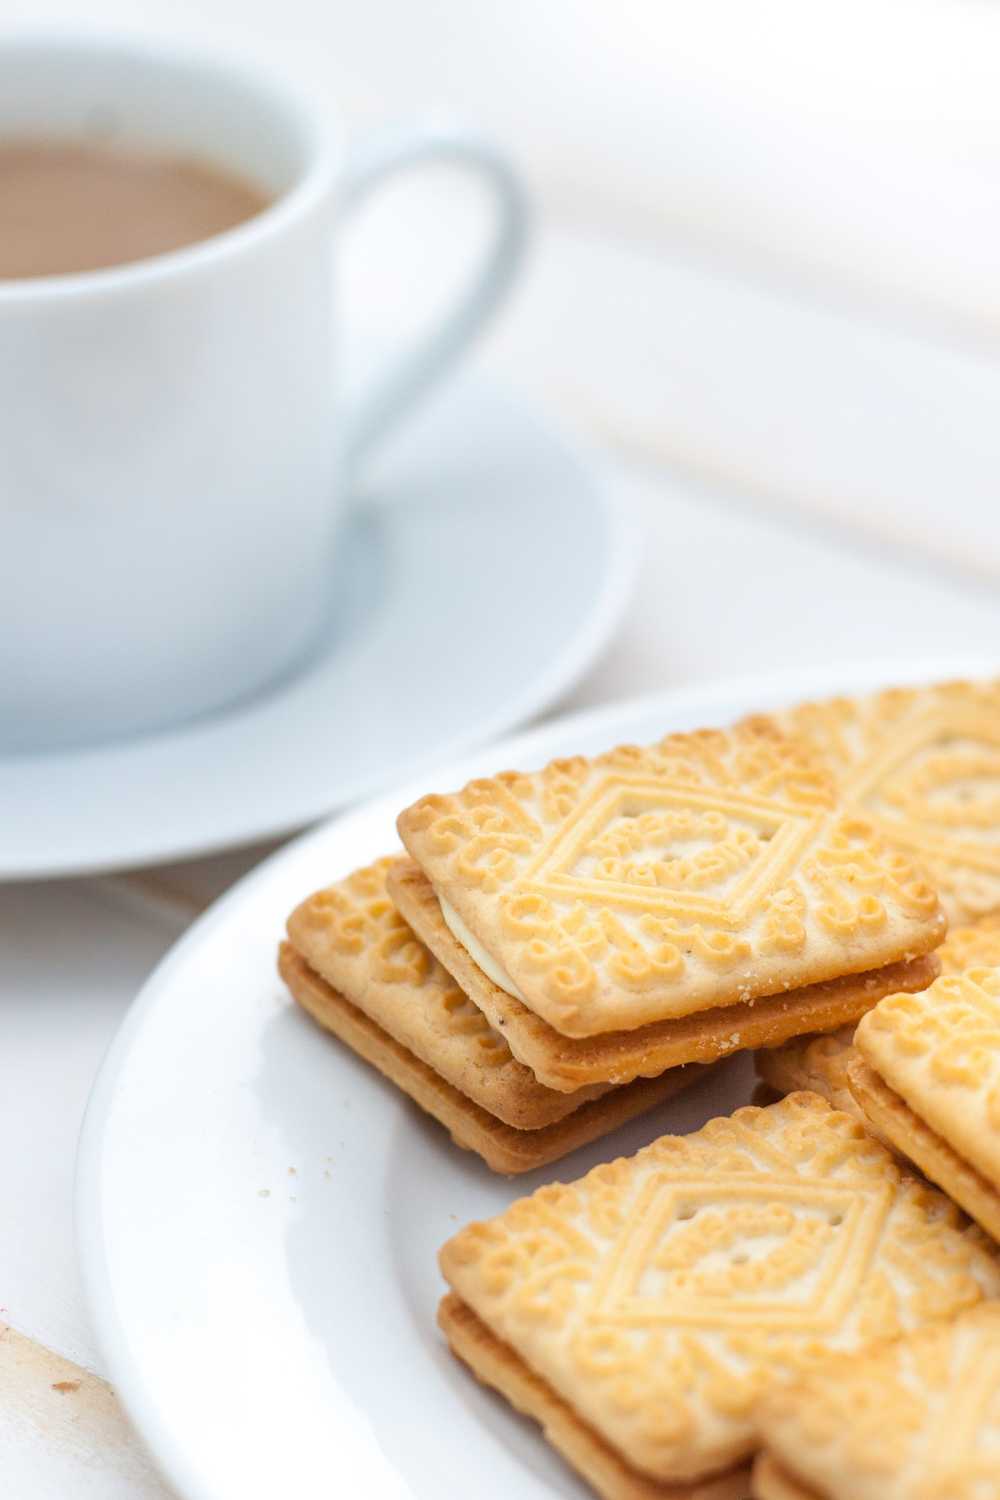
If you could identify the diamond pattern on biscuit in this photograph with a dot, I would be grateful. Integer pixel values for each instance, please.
(664, 1295)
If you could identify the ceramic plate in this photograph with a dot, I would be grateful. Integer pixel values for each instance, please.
(456, 557)
(259, 1213)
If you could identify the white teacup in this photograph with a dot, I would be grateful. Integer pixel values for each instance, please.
(171, 449)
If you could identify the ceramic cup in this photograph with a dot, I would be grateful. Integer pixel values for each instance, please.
(172, 448)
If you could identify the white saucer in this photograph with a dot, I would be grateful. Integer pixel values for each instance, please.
(259, 1212)
(479, 583)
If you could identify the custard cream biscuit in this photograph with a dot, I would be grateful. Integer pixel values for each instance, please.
(923, 765)
(353, 937)
(650, 884)
(917, 1419)
(820, 1063)
(937, 1056)
(663, 1296)
(502, 1147)
(562, 1062)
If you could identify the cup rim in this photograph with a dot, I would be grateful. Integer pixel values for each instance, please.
(276, 88)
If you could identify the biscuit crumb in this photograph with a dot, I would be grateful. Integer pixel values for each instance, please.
(65, 1387)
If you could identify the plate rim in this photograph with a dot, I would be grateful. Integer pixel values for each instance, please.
(600, 618)
(527, 747)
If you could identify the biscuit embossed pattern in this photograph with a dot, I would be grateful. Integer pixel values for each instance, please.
(655, 882)
(665, 1294)
(924, 765)
(917, 1420)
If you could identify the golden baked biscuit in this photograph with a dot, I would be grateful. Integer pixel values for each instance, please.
(649, 884)
(663, 1296)
(562, 1062)
(352, 936)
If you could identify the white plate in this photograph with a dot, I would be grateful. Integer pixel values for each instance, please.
(259, 1212)
(458, 560)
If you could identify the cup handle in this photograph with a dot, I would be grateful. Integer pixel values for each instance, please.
(414, 372)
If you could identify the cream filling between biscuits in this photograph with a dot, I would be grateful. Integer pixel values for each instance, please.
(477, 952)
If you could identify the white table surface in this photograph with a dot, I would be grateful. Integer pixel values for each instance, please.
(814, 480)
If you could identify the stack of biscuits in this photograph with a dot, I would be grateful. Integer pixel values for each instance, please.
(563, 950)
(360, 970)
(784, 1303)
